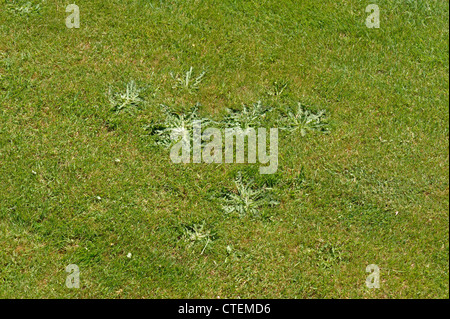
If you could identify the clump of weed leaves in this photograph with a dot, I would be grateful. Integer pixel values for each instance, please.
(128, 101)
(303, 120)
(249, 116)
(188, 81)
(246, 199)
(174, 122)
(198, 234)
(24, 8)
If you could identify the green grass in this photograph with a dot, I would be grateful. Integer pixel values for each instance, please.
(82, 181)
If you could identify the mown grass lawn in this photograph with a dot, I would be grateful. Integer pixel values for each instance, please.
(85, 183)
